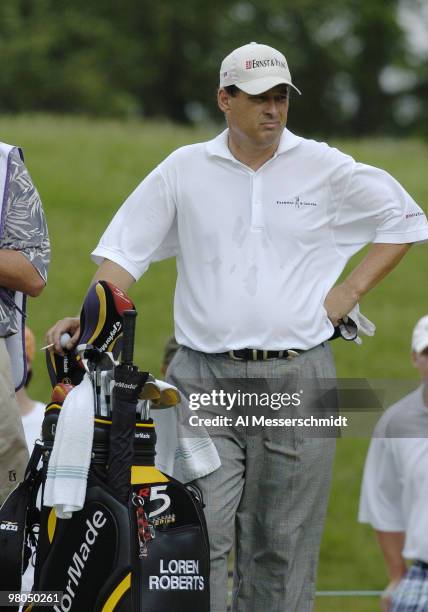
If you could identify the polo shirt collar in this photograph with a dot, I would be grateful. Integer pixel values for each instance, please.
(218, 147)
(288, 141)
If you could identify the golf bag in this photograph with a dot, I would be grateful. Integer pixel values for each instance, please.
(139, 543)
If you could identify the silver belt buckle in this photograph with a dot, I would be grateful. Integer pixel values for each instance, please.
(292, 354)
(233, 356)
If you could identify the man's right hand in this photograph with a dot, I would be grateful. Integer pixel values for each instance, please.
(70, 325)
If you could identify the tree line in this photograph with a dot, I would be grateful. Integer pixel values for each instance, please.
(352, 59)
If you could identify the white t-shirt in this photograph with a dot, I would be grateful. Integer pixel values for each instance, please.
(257, 252)
(394, 492)
(32, 423)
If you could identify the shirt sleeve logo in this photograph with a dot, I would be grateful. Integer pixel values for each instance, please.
(416, 213)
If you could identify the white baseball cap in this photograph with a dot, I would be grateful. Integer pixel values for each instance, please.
(255, 68)
(420, 335)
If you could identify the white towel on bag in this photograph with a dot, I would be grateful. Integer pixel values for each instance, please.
(179, 452)
(69, 462)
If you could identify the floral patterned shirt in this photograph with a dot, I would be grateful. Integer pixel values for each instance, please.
(23, 228)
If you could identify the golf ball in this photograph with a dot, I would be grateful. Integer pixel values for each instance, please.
(65, 339)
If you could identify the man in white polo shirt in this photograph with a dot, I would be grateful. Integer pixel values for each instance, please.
(394, 491)
(262, 223)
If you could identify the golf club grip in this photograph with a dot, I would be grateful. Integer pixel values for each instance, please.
(129, 320)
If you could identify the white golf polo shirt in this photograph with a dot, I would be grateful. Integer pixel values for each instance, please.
(394, 492)
(257, 252)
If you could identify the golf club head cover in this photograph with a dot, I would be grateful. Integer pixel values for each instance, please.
(64, 368)
(100, 325)
(128, 383)
(60, 392)
(101, 317)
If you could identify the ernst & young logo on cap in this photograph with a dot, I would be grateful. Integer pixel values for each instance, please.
(264, 63)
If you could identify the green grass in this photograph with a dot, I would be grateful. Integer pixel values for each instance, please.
(84, 169)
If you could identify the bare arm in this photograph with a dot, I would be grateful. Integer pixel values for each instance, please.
(108, 271)
(112, 272)
(18, 273)
(378, 263)
(391, 545)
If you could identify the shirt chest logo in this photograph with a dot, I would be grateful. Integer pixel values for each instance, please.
(296, 202)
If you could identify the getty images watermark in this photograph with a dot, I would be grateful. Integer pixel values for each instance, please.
(275, 401)
(307, 407)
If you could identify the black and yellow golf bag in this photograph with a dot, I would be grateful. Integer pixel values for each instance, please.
(140, 543)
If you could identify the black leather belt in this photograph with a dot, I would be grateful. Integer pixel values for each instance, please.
(248, 354)
(421, 564)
